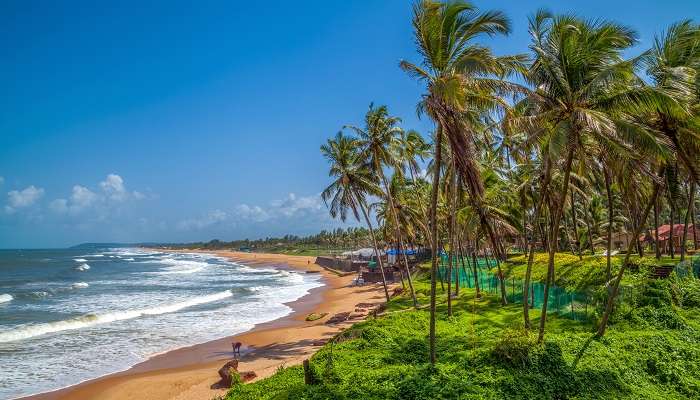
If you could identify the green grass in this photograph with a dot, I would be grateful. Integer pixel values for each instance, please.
(651, 351)
(573, 274)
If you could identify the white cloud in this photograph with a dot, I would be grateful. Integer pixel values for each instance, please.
(113, 187)
(251, 213)
(59, 205)
(113, 191)
(205, 221)
(293, 205)
(82, 197)
(290, 210)
(22, 199)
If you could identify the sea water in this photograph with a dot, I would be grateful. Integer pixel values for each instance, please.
(67, 316)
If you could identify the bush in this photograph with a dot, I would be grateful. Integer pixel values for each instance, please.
(514, 348)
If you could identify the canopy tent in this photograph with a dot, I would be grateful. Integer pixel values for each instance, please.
(365, 252)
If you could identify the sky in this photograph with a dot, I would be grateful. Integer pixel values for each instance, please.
(175, 121)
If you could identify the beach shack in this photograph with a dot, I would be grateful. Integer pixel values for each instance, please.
(665, 234)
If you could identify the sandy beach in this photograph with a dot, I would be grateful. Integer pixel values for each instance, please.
(191, 372)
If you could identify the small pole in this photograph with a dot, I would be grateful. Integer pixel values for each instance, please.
(571, 296)
(308, 376)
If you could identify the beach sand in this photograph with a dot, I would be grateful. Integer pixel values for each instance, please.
(191, 372)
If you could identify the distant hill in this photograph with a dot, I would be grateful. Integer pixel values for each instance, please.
(109, 245)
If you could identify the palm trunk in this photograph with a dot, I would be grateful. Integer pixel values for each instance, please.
(691, 200)
(433, 234)
(424, 213)
(462, 147)
(451, 238)
(573, 215)
(656, 230)
(395, 216)
(587, 215)
(376, 249)
(460, 257)
(616, 286)
(476, 276)
(611, 209)
(695, 233)
(531, 252)
(554, 231)
(569, 239)
(672, 249)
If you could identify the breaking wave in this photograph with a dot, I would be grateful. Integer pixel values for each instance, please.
(79, 285)
(4, 298)
(88, 320)
(82, 267)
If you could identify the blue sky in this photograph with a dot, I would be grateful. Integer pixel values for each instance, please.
(182, 121)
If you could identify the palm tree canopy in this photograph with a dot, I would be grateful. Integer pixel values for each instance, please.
(353, 178)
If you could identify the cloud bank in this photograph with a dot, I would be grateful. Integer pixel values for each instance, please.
(17, 199)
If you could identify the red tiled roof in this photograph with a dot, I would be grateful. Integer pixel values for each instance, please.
(665, 230)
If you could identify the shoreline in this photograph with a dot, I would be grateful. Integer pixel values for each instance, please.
(190, 372)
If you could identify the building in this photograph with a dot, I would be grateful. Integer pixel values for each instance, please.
(665, 236)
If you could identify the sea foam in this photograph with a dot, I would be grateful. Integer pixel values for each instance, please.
(88, 320)
(82, 267)
(4, 298)
(79, 285)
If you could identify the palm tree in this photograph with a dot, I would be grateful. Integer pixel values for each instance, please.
(411, 148)
(353, 181)
(582, 89)
(460, 88)
(673, 64)
(376, 142)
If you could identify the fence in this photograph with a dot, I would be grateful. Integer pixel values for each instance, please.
(575, 305)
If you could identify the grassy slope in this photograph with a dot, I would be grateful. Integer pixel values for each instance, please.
(650, 352)
(578, 275)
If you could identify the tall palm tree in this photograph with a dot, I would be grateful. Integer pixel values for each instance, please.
(376, 141)
(412, 148)
(460, 88)
(353, 182)
(582, 88)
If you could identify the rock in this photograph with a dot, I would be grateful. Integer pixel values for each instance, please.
(315, 316)
(225, 372)
(337, 318)
(358, 309)
(247, 376)
(357, 315)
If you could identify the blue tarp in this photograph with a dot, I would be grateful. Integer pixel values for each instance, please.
(395, 251)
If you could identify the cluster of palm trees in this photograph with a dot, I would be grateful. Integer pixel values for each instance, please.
(555, 150)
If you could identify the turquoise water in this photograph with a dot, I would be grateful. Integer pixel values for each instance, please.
(71, 315)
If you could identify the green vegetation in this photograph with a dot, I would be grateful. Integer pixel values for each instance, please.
(650, 352)
(315, 316)
(322, 243)
(577, 275)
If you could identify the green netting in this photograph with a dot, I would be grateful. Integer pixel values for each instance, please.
(570, 304)
(578, 306)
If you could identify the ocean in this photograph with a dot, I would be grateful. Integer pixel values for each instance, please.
(67, 316)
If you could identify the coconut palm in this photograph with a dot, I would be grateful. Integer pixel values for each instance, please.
(673, 64)
(376, 141)
(460, 88)
(583, 88)
(353, 182)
